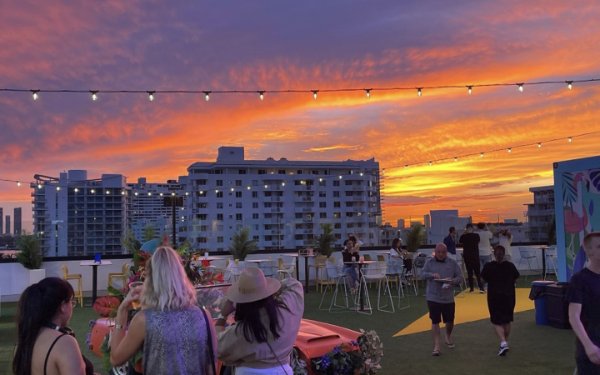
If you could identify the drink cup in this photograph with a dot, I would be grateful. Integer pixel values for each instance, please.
(135, 304)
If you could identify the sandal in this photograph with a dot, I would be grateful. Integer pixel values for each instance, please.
(435, 353)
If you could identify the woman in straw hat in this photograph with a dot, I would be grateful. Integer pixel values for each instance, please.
(267, 319)
(173, 331)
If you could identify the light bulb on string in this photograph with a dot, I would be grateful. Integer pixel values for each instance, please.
(206, 95)
(569, 85)
(419, 91)
(35, 94)
(368, 93)
(151, 95)
(509, 150)
(19, 183)
(430, 163)
(94, 95)
(520, 87)
(539, 145)
(469, 90)
(261, 95)
(570, 140)
(314, 92)
(456, 158)
(39, 186)
(481, 154)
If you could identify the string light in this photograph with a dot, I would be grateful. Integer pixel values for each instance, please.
(506, 149)
(314, 92)
(261, 95)
(151, 95)
(520, 85)
(569, 85)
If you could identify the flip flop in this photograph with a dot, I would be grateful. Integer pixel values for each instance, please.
(435, 353)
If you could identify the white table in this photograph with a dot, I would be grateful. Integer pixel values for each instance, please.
(94, 265)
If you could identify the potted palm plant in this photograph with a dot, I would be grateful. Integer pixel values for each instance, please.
(30, 256)
(242, 245)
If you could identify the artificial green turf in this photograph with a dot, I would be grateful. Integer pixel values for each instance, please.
(534, 349)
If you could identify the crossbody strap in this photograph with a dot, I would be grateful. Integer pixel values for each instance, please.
(50, 349)
(209, 338)
(274, 355)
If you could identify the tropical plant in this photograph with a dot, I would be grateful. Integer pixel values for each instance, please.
(30, 255)
(130, 243)
(242, 245)
(325, 240)
(149, 233)
(414, 238)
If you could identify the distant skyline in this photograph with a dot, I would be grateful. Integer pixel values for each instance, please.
(307, 45)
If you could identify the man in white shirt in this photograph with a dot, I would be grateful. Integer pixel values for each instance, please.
(485, 244)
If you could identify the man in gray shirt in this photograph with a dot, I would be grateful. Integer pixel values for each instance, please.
(441, 273)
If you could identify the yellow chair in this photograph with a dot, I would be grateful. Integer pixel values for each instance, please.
(74, 276)
(123, 275)
(319, 266)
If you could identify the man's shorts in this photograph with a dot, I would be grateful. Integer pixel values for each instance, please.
(439, 311)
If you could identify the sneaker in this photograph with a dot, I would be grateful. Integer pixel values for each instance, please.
(471, 290)
(503, 350)
(481, 291)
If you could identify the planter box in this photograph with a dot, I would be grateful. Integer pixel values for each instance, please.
(36, 276)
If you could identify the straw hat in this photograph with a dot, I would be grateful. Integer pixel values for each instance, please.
(252, 286)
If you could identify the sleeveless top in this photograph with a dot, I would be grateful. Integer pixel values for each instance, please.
(176, 342)
(89, 368)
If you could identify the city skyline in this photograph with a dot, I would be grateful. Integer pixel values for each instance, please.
(275, 46)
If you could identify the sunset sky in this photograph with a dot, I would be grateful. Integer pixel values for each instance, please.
(304, 45)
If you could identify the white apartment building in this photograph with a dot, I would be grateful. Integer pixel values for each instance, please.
(438, 222)
(540, 213)
(147, 207)
(77, 216)
(283, 203)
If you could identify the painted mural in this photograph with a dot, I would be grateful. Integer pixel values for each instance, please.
(577, 203)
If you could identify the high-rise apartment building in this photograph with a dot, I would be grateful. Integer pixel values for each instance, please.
(540, 213)
(283, 203)
(79, 216)
(148, 209)
(7, 220)
(17, 221)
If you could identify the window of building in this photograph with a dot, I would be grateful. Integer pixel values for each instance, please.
(201, 216)
(315, 171)
(238, 217)
(220, 205)
(219, 194)
(238, 182)
(219, 182)
(299, 215)
(254, 204)
(202, 193)
(336, 204)
(219, 239)
(262, 171)
(299, 171)
(238, 194)
(281, 171)
(219, 216)
(201, 240)
(323, 215)
(323, 205)
(336, 183)
(238, 204)
(336, 194)
(322, 194)
(337, 226)
(242, 171)
(201, 182)
(202, 205)
(255, 216)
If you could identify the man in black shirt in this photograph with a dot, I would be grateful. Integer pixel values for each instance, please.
(584, 308)
(470, 244)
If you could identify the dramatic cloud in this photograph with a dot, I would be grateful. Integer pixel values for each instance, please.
(140, 45)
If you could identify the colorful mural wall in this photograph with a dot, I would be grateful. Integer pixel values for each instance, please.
(577, 206)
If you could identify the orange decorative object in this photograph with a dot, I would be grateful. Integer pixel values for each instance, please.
(106, 305)
(100, 329)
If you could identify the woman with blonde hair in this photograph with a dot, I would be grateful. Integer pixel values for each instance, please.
(176, 335)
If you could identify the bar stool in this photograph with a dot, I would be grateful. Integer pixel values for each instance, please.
(74, 276)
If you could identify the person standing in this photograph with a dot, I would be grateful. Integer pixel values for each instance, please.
(470, 244)
(441, 273)
(44, 342)
(584, 308)
(450, 242)
(350, 255)
(501, 276)
(505, 240)
(267, 319)
(485, 244)
(176, 336)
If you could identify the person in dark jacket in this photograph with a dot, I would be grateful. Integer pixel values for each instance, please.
(501, 276)
(450, 241)
(470, 244)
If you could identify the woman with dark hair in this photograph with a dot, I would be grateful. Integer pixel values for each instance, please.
(45, 345)
(267, 319)
(501, 276)
(349, 255)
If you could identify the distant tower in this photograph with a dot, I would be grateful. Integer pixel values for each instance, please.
(7, 231)
(17, 221)
(1, 220)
